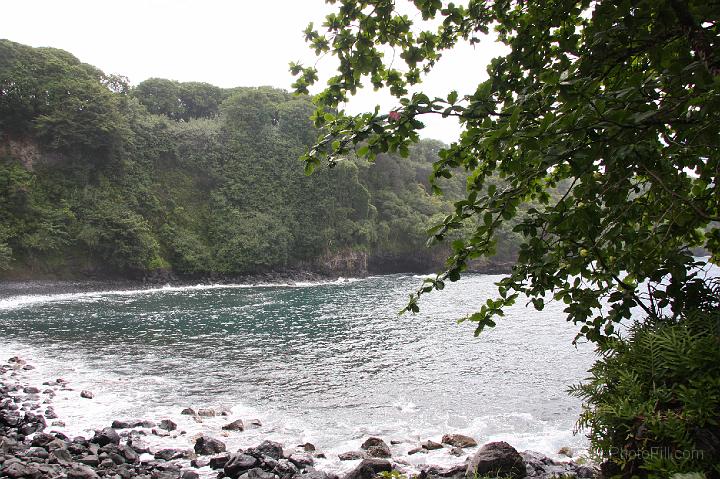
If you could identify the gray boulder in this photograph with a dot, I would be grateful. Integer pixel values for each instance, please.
(107, 436)
(497, 458)
(81, 472)
(234, 426)
(207, 445)
(459, 440)
(270, 448)
(238, 464)
(369, 468)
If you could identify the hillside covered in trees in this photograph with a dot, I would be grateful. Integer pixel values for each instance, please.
(98, 178)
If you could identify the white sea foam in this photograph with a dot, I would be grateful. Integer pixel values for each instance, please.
(22, 301)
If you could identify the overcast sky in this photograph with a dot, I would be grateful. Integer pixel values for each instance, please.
(224, 42)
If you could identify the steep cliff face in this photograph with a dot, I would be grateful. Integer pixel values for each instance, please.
(345, 262)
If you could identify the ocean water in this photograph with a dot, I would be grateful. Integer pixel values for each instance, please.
(327, 363)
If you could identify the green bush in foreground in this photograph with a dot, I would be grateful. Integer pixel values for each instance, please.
(653, 399)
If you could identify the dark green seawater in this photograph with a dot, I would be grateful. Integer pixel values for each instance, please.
(326, 363)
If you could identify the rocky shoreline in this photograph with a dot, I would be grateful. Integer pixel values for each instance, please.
(31, 446)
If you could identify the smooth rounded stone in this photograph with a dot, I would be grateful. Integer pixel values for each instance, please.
(234, 426)
(50, 414)
(188, 411)
(301, 460)
(106, 436)
(205, 445)
(352, 455)
(80, 471)
(168, 425)
(87, 395)
(61, 456)
(217, 462)
(189, 474)
(206, 412)
(28, 367)
(31, 390)
(498, 458)
(459, 440)
(417, 450)
(431, 445)
(308, 447)
(369, 468)
(58, 423)
(270, 448)
(239, 463)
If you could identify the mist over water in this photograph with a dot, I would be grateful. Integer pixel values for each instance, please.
(327, 363)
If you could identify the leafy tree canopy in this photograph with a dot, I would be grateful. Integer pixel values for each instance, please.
(616, 100)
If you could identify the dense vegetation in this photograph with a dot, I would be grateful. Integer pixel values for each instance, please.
(618, 100)
(97, 177)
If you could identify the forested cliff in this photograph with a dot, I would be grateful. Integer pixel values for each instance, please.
(98, 178)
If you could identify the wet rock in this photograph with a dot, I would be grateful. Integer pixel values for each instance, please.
(168, 425)
(459, 440)
(565, 451)
(50, 414)
(352, 455)
(28, 367)
(205, 445)
(313, 474)
(369, 468)
(169, 454)
(61, 456)
(234, 426)
(130, 423)
(16, 469)
(188, 474)
(307, 447)
(258, 473)
(38, 452)
(90, 460)
(302, 461)
(206, 412)
(238, 464)
(200, 462)
(107, 436)
(87, 395)
(41, 439)
(417, 450)
(431, 445)
(128, 453)
(457, 451)
(376, 447)
(188, 411)
(253, 423)
(160, 432)
(31, 390)
(81, 472)
(498, 458)
(270, 448)
(218, 462)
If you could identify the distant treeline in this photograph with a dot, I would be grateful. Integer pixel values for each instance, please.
(101, 178)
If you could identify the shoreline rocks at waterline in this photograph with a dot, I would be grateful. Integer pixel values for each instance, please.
(30, 449)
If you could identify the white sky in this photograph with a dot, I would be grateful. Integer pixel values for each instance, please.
(224, 42)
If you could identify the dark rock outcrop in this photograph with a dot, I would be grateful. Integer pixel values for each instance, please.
(498, 458)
